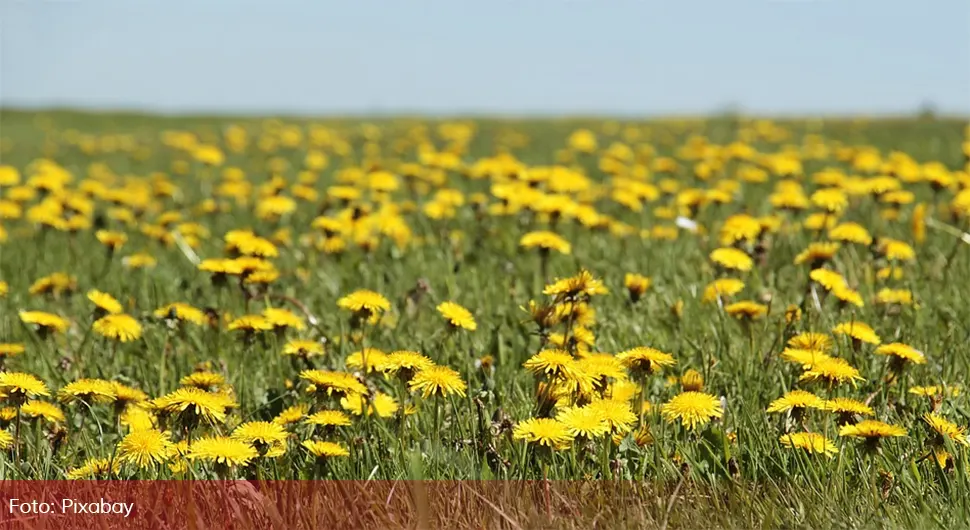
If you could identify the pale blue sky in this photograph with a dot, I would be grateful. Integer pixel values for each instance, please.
(506, 56)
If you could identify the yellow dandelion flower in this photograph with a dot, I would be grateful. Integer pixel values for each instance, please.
(859, 331)
(811, 341)
(44, 322)
(264, 277)
(222, 450)
(95, 468)
(380, 404)
(899, 198)
(250, 265)
(890, 273)
(321, 449)
(105, 302)
(848, 296)
(221, 267)
(303, 348)
(145, 448)
(203, 380)
(250, 324)
(545, 432)
(89, 391)
(581, 140)
(942, 457)
(692, 381)
(944, 428)
(137, 418)
(140, 260)
(790, 198)
(580, 339)
(10, 176)
(819, 221)
(283, 318)
(732, 259)
(457, 316)
(268, 438)
(120, 327)
(364, 302)
(602, 367)
(333, 382)
(21, 385)
(42, 409)
(551, 363)
(583, 422)
(872, 429)
(181, 311)
(110, 239)
(616, 412)
(805, 357)
(692, 409)
(896, 250)
(11, 350)
(747, 310)
(583, 284)
(832, 200)
(328, 418)
(722, 288)
(636, 285)
(851, 233)
(810, 442)
(545, 241)
(903, 352)
(887, 296)
(833, 370)
(55, 284)
(817, 253)
(828, 279)
(372, 357)
(935, 390)
(247, 243)
(274, 207)
(848, 406)
(739, 227)
(645, 359)
(437, 380)
(192, 403)
(406, 362)
(796, 399)
(291, 415)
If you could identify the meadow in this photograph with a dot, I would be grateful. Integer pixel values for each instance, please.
(760, 323)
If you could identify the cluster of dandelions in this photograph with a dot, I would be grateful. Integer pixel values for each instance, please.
(191, 424)
(583, 396)
(850, 220)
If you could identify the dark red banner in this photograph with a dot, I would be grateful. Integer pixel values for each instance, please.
(312, 505)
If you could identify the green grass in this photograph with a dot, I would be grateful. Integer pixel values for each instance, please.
(750, 482)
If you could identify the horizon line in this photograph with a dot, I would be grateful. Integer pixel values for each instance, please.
(473, 114)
